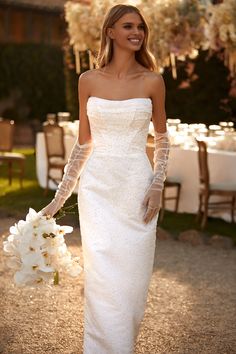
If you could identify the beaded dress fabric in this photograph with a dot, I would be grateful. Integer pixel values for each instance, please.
(118, 247)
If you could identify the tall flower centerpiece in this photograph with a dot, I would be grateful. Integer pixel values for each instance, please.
(84, 25)
(221, 31)
(176, 29)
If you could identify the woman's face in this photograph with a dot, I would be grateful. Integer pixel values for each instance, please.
(128, 32)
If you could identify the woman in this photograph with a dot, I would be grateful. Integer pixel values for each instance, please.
(119, 193)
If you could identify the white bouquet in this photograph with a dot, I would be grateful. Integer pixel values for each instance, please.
(37, 251)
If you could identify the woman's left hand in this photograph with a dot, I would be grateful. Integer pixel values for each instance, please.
(152, 201)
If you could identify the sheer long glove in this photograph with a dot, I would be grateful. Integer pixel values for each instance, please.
(72, 171)
(152, 199)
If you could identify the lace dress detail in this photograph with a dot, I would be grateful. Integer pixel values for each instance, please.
(118, 247)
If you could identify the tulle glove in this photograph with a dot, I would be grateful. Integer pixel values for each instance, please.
(72, 170)
(152, 199)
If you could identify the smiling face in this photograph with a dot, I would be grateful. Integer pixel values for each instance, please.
(128, 32)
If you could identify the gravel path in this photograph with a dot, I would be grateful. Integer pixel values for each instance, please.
(191, 305)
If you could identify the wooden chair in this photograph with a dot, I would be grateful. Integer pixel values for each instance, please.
(6, 154)
(7, 133)
(207, 189)
(169, 183)
(55, 150)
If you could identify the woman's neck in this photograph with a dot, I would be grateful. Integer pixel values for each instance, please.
(122, 65)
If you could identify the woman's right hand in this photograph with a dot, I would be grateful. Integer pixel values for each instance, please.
(52, 208)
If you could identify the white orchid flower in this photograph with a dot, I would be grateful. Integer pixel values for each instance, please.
(37, 251)
(74, 269)
(14, 263)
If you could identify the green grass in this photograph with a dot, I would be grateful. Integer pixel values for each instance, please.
(16, 201)
(176, 223)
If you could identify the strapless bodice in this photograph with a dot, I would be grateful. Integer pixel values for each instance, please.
(119, 126)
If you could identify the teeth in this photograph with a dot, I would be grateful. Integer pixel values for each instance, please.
(134, 40)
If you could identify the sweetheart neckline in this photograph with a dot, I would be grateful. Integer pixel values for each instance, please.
(128, 99)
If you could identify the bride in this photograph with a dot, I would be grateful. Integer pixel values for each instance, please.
(119, 194)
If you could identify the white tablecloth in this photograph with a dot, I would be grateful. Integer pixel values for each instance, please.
(183, 165)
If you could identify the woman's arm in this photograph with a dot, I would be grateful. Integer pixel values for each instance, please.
(83, 94)
(78, 156)
(158, 93)
(152, 200)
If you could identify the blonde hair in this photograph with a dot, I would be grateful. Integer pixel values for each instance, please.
(143, 56)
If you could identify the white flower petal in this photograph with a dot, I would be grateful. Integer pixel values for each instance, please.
(13, 263)
(74, 269)
(66, 229)
(21, 224)
(9, 247)
(33, 260)
(22, 278)
(11, 238)
(14, 230)
(46, 269)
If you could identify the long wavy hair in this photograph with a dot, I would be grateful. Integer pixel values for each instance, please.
(143, 56)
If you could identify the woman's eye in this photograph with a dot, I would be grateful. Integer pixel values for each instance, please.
(141, 27)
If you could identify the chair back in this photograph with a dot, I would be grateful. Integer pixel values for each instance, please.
(203, 163)
(6, 134)
(54, 140)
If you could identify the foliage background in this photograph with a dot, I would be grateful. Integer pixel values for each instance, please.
(36, 73)
(46, 81)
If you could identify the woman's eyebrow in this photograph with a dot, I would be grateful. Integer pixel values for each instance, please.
(131, 23)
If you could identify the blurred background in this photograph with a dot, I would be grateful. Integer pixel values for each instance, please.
(38, 73)
(46, 45)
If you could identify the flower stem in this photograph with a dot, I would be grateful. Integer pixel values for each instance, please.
(70, 209)
(56, 278)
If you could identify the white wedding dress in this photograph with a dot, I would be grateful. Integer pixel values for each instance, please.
(118, 247)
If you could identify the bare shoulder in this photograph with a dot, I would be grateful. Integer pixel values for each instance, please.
(87, 80)
(156, 84)
(154, 78)
(89, 75)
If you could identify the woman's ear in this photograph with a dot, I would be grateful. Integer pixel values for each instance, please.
(110, 33)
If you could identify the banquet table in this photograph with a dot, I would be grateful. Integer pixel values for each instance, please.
(183, 166)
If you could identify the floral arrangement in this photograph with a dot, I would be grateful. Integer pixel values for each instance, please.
(221, 31)
(82, 34)
(37, 251)
(176, 26)
(160, 19)
(84, 24)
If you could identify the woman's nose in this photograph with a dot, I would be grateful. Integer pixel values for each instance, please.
(136, 30)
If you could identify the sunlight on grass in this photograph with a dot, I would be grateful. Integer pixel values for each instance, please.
(15, 200)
